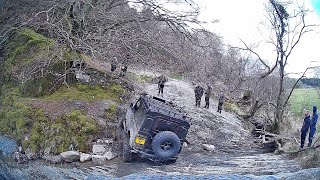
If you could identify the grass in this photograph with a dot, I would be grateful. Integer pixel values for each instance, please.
(176, 76)
(304, 99)
(87, 93)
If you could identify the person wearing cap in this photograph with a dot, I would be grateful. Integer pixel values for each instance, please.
(313, 125)
(305, 128)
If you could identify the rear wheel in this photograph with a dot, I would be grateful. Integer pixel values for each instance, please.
(165, 145)
(126, 151)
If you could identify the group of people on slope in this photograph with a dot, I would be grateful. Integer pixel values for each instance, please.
(309, 124)
(198, 91)
(123, 68)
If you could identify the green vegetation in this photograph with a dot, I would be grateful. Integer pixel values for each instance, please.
(71, 129)
(176, 76)
(304, 98)
(26, 46)
(87, 92)
(12, 114)
(110, 112)
(140, 78)
(19, 120)
(31, 126)
(231, 107)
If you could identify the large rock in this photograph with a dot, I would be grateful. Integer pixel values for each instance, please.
(99, 159)
(20, 158)
(98, 149)
(109, 155)
(31, 155)
(53, 159)
(70, 156)
(85, 157)
(208, 147)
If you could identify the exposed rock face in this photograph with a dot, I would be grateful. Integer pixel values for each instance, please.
(31, 155)
(109, 155)
(70, 156)
(208, 147)
(53, 159)
(20, 158)
(98, 149)
(99, 159)
(85, 157)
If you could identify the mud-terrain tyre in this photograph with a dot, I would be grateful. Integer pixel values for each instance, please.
(126, 150)
(165, 145)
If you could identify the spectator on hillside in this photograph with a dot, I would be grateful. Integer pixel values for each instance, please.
(198, 92)
(161, 81)
(207, 96)
(305, 128)
(221, 101)
(124, 69)
(313, 125)
(114, 65)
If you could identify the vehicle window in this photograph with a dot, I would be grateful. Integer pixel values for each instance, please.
(140, 115)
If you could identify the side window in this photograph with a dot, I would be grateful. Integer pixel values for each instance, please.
(137, 105)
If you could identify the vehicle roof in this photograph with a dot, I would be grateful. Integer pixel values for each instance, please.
(161, 106)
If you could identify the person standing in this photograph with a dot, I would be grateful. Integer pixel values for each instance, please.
(221, 101)
(313, 125)
(198, 92)
(161, 81)
(305, 128)
(207, 96)
(124, 69)
(113, 65)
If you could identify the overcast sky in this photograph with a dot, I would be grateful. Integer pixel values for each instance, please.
(241, 19)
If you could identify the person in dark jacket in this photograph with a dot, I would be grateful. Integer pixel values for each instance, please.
(221, 101)
(207, 96)
(198, 92)
(113, 65)
(313, 125)
(161, 81)
(305, 128)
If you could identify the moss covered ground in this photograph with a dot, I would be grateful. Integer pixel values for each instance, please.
(31, 126)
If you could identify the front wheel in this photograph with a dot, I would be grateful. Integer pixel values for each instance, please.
(126, 151)
(165, 145)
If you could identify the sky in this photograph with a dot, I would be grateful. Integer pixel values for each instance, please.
(244, 20)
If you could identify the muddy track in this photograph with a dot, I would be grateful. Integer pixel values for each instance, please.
(235, 153)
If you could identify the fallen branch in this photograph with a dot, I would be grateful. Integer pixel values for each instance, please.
(272, 135)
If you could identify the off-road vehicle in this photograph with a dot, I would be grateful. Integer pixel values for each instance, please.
(154, 128)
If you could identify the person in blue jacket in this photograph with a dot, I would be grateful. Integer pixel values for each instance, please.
(305, 128)
(313, 125)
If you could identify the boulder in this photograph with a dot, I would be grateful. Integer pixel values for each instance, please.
(208, 147)
(185, 144)
(85, 157)
(70, 156)
(31, 155)
(98, 149)
(53, 159)
(109, 155)
(20, 158)
(99, 159)
(108, 141)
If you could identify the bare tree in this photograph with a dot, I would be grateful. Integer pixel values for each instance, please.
(288, 27)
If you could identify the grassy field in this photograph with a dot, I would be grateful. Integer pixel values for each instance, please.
(304, 98)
